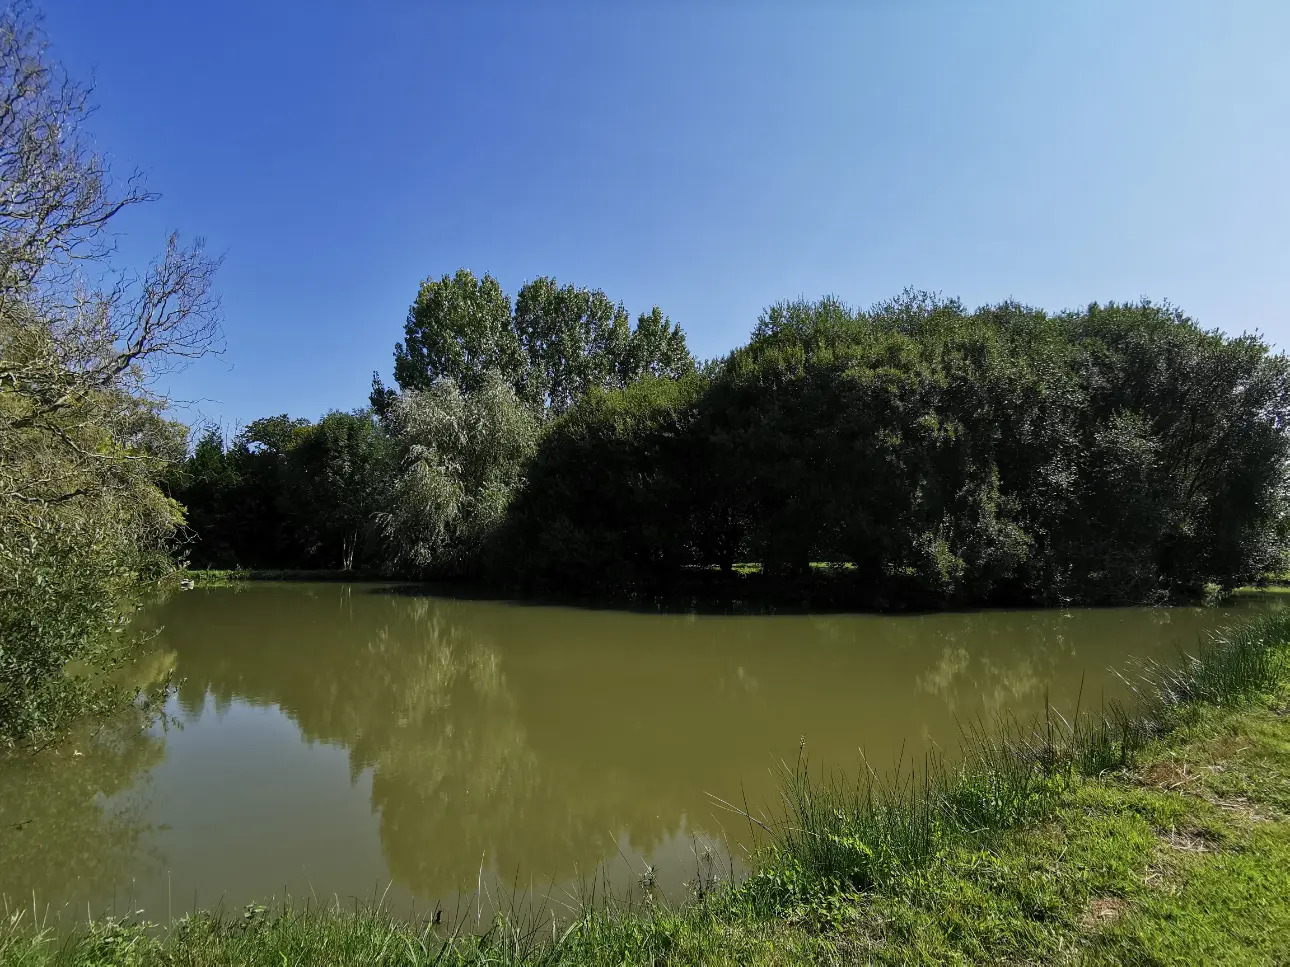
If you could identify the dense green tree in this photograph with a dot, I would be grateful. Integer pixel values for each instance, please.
(1119, 454)
(558, 344)
(1185, 435)
(657, 348)
(573, 339)
(459, 328)
(622, 521)
(930, 455)
(576, 340)
(338, 474)
(261, 453)
(288, 493)
(238, 500)
(208, 485)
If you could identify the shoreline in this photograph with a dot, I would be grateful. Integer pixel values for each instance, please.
(677, 602)
(1137, 835)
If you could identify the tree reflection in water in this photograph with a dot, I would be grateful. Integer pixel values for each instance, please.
(74, 824)
(535, 742)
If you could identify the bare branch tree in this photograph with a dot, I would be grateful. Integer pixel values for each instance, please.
(76, 350)
(57, 195)
(84, 441)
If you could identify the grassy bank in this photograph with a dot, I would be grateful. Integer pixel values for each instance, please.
(1155, 835)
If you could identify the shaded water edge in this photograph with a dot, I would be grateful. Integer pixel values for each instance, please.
(838, 835)
(824, 589)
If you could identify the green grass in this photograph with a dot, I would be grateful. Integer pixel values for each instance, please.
(710, 931)
(1268, 589)
(1164, 863)
(858, 833)
(1158, 837)
(1274, 581)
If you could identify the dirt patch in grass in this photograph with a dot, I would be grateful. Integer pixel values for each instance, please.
(1177, 775)
(1191, 840)
(1245, 809)
(1102, 912)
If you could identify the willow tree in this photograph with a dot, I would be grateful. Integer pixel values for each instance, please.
(461, 457)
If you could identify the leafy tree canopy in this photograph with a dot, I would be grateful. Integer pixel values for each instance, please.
(557, 344)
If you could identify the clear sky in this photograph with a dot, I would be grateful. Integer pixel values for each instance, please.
(708, 157)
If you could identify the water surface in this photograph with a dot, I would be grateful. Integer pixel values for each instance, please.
(356, 740)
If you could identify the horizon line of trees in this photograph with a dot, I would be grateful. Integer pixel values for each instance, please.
(416, 481)
(932, 456)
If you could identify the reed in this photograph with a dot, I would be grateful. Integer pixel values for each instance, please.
(839, 832)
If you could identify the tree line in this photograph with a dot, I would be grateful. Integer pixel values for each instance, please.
(419, 481)
(912, 454)
(916, 454)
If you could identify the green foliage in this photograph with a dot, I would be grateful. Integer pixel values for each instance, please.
(934, 457)
(576, 340)
(337, 472)
(459, 328)
(623, 517)
(421, 490)
(67, 580)
(460, 458)
(82, 526)
(558, 344)
(287, 493)
(945, 457)
(573, 338)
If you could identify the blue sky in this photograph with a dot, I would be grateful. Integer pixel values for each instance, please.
(710, 158)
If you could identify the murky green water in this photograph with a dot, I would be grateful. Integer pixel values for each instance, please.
(350, 740)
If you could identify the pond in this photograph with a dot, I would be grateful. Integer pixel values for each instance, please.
(367, 741)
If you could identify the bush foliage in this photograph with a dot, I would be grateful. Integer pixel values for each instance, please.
(942, 457)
